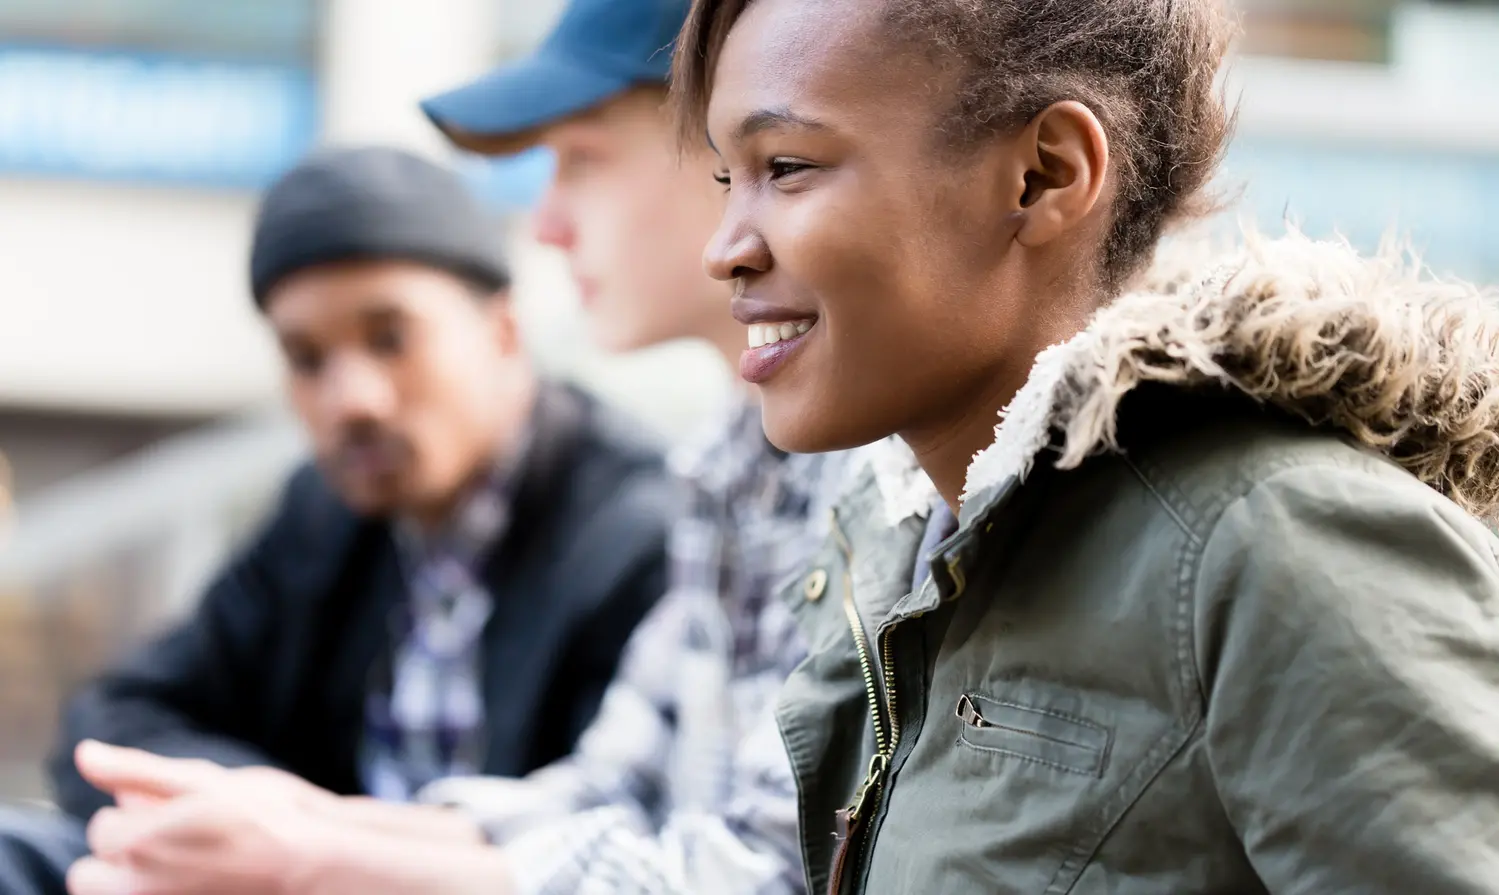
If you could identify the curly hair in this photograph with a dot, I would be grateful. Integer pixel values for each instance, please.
(1146, 68)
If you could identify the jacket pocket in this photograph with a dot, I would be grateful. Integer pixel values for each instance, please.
(1028, 733)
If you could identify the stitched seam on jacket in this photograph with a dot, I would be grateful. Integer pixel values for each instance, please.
(1116, 805)
(1095, 772)
(1173, 508)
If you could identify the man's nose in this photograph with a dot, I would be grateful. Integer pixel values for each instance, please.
(551, 223)
(357, 388)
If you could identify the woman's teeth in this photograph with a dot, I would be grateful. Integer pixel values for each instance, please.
(762, 334)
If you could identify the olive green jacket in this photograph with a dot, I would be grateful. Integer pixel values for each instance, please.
(1237, 632)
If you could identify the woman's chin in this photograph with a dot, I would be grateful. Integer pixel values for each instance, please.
(808, 428)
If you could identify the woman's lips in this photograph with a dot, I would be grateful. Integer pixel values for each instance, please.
(770, 344)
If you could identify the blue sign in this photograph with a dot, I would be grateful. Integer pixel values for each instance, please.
(151, 117)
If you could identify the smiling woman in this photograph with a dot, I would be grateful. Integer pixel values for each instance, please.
(1239, 634)
(882, 156)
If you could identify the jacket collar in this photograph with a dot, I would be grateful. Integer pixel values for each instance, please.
(1373, 347)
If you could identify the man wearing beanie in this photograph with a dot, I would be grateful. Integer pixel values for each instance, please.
(445, 591)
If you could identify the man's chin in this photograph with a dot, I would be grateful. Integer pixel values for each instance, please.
(613, 335)
(369, 499)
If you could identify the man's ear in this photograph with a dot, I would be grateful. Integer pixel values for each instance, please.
(499, 311)
(1064, 159)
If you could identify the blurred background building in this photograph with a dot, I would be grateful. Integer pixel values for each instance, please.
(140, 426)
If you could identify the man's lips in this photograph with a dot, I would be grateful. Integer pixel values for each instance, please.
(371, 459)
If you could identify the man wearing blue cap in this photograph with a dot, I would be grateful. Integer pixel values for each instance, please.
(681, 784)
(629, 213)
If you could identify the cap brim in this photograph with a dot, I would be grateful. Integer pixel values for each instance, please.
(503, 111)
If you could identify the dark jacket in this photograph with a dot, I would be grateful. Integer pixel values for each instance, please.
(274, 666)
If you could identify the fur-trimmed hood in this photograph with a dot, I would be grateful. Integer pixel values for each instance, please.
(1405, 364)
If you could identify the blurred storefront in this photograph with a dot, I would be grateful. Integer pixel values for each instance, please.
(131, 135)
(1373, 120)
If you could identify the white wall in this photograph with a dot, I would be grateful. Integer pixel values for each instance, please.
(126, 298)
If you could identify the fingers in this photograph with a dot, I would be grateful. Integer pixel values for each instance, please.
(92, 876)
(113, 832)
(128, 834)
(114, 770)
(126, 798)
(161, 849)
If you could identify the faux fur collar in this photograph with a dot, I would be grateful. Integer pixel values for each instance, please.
(1405, 364)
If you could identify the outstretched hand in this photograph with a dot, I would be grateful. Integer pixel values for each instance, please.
(192, 827)
(135, 777)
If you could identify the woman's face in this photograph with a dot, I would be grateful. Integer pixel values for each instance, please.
(879, 261)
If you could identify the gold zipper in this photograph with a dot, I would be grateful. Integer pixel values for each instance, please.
(886, 739)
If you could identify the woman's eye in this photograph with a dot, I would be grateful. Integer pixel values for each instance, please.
(780, 167)
(777, 168)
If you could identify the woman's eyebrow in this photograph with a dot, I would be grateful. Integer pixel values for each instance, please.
(773, 119)
(762, 120)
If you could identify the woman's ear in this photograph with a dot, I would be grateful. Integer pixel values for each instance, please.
(1064, 155)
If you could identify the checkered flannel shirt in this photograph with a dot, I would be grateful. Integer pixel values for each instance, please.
(424, 712)
(682, 785)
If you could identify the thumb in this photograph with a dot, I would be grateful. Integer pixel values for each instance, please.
(92, 876)
(115, 769)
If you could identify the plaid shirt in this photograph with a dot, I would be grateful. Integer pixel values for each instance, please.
(682, 784)
(424, 713)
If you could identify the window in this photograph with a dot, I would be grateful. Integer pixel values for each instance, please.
(1342, 30)
(218, 93)
(282, 31)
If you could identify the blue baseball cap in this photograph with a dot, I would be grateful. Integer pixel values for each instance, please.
(599, 48)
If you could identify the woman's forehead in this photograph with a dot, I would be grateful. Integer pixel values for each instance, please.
(822, 61)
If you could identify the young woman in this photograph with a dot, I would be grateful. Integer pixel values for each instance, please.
(1208, 611)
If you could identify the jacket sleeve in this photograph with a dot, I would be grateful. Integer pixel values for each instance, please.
(745, 846)
(1348, 643)
(191, 692)
(596, 821)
